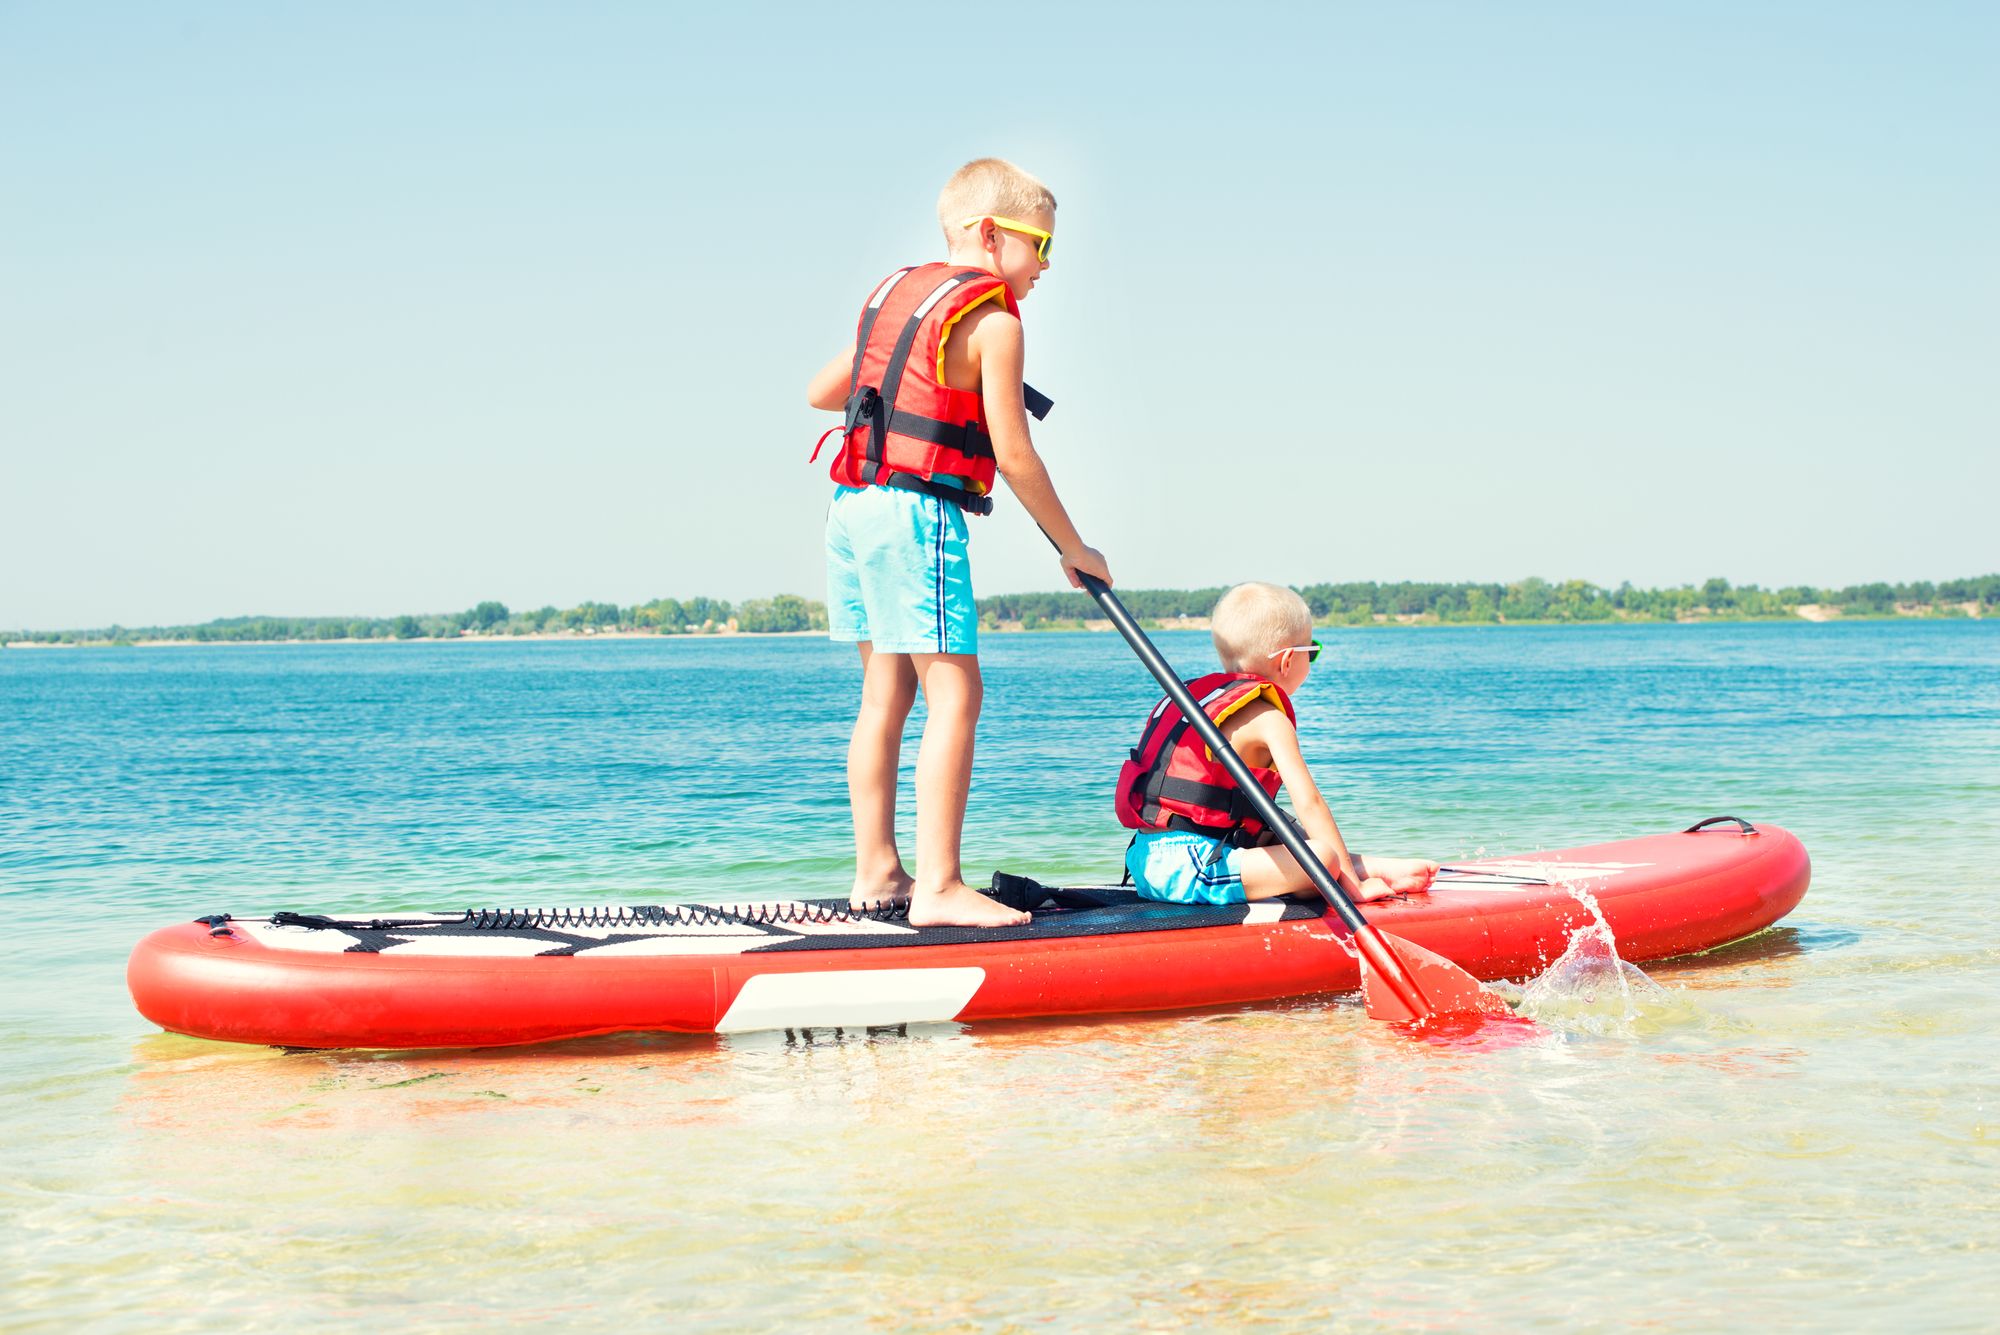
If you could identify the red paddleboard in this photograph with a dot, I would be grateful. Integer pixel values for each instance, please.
(495, 977)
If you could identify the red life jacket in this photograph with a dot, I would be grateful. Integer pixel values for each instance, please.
(1171, 781)
(905, 427)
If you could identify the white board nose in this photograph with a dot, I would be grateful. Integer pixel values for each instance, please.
(853, 998)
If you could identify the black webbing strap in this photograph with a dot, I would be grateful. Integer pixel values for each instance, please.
(1213, 796)
(1027, 894)
(1149, 787)
(1038, 403)
(1152, 725)
(875, 305)
(1227, 834)
(970, 501)
(965, 437)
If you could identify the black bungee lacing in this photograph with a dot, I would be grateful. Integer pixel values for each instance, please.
(776, 914)
(773, 914)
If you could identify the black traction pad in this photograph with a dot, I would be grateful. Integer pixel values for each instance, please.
(817, 924)
(1126, 913)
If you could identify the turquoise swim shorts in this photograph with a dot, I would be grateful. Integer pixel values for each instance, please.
(898, 574)
(1171, 865)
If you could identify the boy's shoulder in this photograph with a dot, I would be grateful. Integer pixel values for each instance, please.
(986, 339)
(989, 320)
(1259, 716)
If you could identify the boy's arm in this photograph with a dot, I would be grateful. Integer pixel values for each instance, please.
(1278, 735)
(828, 389)
(996, 342)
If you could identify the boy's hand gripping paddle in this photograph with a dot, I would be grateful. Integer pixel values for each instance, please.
(1400, 980)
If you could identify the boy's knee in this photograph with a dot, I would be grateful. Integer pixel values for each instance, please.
(957, 707)
(889, 698)
(963, 703)
(894, 692)
(953, 683)
(890, 683)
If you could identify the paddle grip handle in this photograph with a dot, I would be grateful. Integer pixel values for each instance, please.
(1275, 818)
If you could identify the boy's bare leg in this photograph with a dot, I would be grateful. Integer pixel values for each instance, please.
(888, 689)
(1271, 871)
(952, 695)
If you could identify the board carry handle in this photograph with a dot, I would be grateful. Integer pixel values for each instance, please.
(1744, 825)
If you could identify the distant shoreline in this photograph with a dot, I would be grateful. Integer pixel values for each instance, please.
(526, 638)
(1523, 602)
(1529, 602)
(1810, 615)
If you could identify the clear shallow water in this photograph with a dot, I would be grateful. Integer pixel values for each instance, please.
(1806, 1123)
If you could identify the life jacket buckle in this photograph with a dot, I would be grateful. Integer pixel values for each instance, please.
(863, 406)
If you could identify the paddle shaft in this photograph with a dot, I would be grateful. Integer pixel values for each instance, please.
(1275, 818)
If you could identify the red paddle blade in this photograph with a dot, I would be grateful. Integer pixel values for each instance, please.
(1404, 983)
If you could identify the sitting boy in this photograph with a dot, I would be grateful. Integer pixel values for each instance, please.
(1199, 840)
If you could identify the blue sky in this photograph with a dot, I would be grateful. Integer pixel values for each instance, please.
(371, 308)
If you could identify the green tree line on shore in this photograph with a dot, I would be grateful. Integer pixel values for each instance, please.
(661, 616)
(1528, 600)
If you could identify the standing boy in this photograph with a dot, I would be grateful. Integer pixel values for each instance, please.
(935, 409)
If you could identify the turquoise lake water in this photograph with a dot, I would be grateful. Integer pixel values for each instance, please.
(1802, 1127)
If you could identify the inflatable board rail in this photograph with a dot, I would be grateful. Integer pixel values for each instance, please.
(507, 976)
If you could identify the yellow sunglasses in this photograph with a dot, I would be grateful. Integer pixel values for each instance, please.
(1042, 247)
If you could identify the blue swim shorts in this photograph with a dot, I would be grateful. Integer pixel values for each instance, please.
(1174, 866)
(898, 574)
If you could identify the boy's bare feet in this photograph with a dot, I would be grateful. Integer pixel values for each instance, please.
(1406, 876)
(880, 892)
(1372, 888)
(959, 905)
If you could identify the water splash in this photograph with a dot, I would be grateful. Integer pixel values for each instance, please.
(1589, 988)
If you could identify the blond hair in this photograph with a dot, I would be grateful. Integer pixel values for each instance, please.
(989, 185)
(1253, 621)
